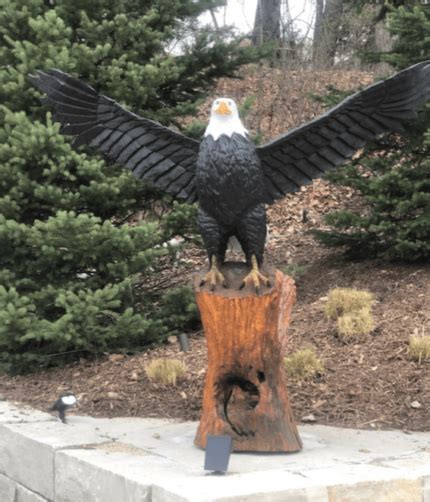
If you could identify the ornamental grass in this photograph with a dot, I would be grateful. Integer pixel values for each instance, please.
(303, 364)
(165, 371)
(419, 348)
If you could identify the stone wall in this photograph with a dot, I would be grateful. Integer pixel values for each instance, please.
(152, 460)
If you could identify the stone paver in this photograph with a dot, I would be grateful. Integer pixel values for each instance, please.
(17, 413)
(7, 489)
(24, 495)
(398, 490)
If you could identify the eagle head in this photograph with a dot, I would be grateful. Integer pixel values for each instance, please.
(224, 119)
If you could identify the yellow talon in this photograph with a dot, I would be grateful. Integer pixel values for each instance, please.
(213, 276)
(255, 276)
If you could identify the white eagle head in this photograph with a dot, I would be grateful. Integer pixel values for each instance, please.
(224, 119)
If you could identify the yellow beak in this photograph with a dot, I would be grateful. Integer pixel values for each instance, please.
(223, 109)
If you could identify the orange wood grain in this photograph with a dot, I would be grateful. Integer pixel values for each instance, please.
(245, 392)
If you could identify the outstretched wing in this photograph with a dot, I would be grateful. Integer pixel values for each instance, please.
(151, 151)
(305, 153)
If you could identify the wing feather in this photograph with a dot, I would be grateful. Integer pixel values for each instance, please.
(307, 152)
(152, 152)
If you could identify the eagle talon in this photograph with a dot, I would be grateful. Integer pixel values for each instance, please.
(214, 276)
(256, 277)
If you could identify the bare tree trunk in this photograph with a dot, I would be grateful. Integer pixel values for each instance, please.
(319, 13)
(267, 24)
(326, 32)
(214, 20)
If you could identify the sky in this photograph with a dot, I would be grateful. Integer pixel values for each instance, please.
(241, 13)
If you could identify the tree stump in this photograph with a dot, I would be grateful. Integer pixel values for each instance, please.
(245, 392)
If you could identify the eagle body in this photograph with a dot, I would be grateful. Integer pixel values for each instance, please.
(229, 177)
(228, 183)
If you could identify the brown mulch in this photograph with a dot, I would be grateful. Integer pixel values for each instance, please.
(371, 382)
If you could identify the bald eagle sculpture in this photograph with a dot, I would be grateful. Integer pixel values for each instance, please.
(231, 179)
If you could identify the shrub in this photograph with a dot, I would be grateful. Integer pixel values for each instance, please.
(165, 371)
(180, 311)
(303, 364)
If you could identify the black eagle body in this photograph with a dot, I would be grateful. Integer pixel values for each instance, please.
(228, 182)
(230, 178)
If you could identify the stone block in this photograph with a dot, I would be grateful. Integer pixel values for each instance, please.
(302, 495)
(24, 495)
(396, 490)
(317, 494)
(7, 489)
(17, 413)
(98, 476)
(426, 489)
(28, 449)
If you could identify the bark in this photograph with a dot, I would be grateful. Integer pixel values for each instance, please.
(245, 392)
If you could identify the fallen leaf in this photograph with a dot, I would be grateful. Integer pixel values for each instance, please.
(309, 418)
(319, 403)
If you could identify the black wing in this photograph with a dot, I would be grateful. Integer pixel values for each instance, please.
(151, 151)
(305, 153)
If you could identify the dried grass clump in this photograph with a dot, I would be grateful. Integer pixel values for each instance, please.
(419, 347)
(165, 371)
(347, 300)
(303, 364)
(355, 324)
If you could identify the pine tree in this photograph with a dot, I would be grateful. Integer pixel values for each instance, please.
(68, 263)
(395, 181)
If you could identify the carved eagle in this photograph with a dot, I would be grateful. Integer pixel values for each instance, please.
(231, 179)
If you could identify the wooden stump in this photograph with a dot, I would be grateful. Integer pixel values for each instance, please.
(245, 393)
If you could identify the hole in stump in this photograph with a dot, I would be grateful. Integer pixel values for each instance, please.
(261, 376)
(237, 396)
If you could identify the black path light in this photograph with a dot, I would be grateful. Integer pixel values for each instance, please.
(183, 342)
(63, 403)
